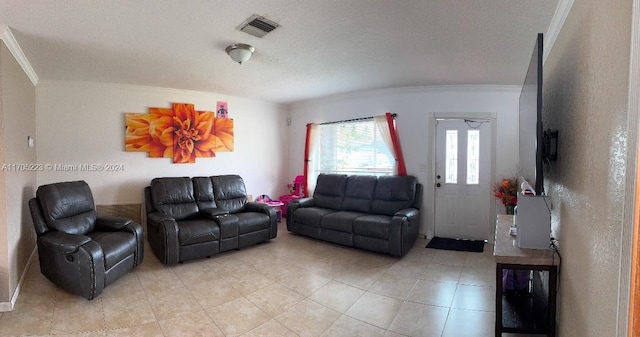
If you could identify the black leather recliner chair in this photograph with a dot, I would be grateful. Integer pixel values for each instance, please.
(78, 250)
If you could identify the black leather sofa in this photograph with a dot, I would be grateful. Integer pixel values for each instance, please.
(380, 214)
(191, 218)
(78, 250)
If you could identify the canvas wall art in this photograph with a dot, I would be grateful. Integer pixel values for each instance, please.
(180, 132)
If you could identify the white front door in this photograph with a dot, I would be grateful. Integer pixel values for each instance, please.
(463, 195)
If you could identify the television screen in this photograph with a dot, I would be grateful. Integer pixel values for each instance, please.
(530, 124)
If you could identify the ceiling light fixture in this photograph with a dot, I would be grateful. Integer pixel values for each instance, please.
(240, 52)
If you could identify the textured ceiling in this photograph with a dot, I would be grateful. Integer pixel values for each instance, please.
(322, 48)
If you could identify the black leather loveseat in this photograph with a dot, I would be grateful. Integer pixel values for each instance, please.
(380, 214)
(191, 218)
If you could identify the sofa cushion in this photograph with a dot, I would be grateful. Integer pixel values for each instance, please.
(340, 221)
(329, 191)
(310, 216)
(203, 192)
(252, 221)
(174, 196)
(197, 231)
(375, 226)
(359, 193)
(230, 192)
(393, 193)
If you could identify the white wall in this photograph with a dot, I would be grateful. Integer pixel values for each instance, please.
(586, 95)
(17, 186)
(83, 123)
(416, 108)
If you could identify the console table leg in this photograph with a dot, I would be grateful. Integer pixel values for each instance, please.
(498, 300)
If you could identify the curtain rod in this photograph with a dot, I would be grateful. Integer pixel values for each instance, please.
(354, 120)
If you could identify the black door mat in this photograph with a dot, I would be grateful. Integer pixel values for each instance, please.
(455, 244)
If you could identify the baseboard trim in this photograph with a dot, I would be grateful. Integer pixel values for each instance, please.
(8, 306)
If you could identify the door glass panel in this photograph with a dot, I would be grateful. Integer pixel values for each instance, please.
(473, 156)
(451, 157)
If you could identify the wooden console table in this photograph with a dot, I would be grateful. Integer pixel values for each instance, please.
(532, 313)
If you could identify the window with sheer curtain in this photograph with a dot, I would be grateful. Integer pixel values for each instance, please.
(352, 148)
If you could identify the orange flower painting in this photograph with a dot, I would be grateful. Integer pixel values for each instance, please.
(180, 133)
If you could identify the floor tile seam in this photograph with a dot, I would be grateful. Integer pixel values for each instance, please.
(53, 312)
(445, 321)
(345, 310)
(296, 291)
(448, 264)
(400, 299)
(324, 306)
(279, 322)
(410, 300)
(473, 310)
(289, 306)
(104, 314)
(476, 285)
(242, 333)
(155, 315)
(104, 324)
(377, 326)
(361, 321)
(394, 299)
(430, 305)
(146, 295)
(396, 317)
(206, 312)
(272, 318)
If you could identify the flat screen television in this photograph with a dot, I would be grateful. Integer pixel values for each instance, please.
(531, 144)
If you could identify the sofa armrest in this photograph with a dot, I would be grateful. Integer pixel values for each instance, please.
(157, 218)
(260, 207)
(407, 212)
(294, 205)
(162, 233)
(268, 210)
(304, 202)
(403, 231)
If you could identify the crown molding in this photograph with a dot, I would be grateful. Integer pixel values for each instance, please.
(16, 51)
(411, 90)
(162, 90)
(557, 21)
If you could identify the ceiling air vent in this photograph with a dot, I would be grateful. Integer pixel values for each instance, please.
(258, 26)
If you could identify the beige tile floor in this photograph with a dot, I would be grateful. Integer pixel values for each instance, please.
(291, 286)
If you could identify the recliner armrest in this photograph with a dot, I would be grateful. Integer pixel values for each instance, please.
(73, 262)
(63, 242)
(213, 213)
(114, 223)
